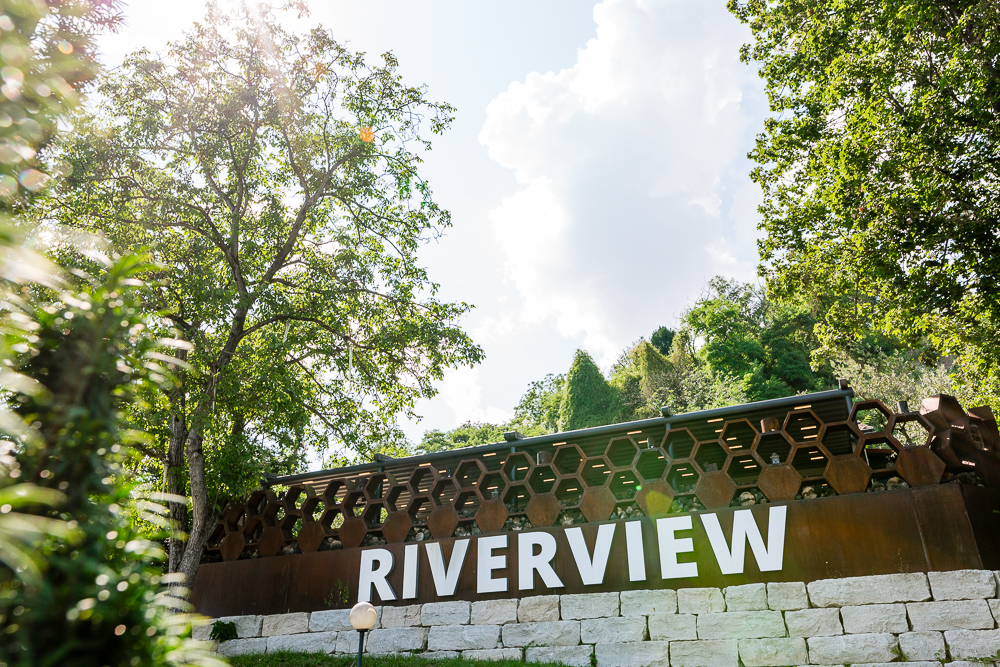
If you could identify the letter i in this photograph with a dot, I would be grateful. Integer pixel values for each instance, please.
(410, 555)
(636, 555)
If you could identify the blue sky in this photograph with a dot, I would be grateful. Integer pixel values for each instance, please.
(596, 173)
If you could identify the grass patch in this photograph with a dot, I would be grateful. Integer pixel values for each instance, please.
(322, 660)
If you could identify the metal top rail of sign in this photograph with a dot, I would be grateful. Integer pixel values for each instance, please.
(831, 405)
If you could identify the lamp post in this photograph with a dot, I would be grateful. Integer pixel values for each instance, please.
(363, 618)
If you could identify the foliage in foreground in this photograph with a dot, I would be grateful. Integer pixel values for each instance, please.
(323, 660)
(75, 356)
(78, 585)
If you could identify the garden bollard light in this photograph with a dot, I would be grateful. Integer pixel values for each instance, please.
(363, 618)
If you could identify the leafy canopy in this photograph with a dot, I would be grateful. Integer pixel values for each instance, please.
(879, 169)
(275, 178)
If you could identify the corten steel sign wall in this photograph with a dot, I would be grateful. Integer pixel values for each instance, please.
(814, 447)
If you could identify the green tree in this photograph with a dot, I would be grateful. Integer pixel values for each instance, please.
(762, 347)
(468, 434)
(537, 413)
(588, 398)
(662, 339)
(49, 58)
(879, 170)
(275, 177)
(641, 376)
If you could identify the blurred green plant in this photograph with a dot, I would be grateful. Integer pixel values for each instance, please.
(78, 584)
(47, 55)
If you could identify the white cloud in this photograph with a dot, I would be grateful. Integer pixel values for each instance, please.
(461, 393)
(632, 171)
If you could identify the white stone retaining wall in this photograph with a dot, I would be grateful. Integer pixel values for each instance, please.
(910, 620)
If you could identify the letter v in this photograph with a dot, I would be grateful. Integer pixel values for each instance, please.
(591, 571)
(446, 580)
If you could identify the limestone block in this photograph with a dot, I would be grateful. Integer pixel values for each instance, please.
(613, 630)
(574, 656)
(393, 640)
(310, 642)
(640, 654)
(741, 625)
(963, 644)
(950, 615)
(710, 653)
(332, 620)
(441, 655)
(462, 637)
(700, 600)
(538, 608)
(234, 647)
(962, 584)
(644, 603)
(995, 608)
(446, 613)
(813, 623)
(672, 626)
(877, 589)
(749, 597)
(970, 663)
(922, 645)
(874, 618)
(397, 617)
(773, 651)
(494, 654)
(347, 642)
(285, 624)
(787, 595)
(901, 664)
(549, 633)
(203, 632)
(494, 612)
(588, 605)
(849, 649)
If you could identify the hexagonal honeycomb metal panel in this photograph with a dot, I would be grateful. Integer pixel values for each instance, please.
(697, 463)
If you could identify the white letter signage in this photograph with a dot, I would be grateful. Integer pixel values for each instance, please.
(591, 571)
(372, 576)
(745, 530)
(446, 580)
(410, 567)
(670, 546)
(528, 561)
(485, 583)
(635, 551)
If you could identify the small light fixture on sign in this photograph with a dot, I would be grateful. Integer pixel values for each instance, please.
(775, 459)
(363, 618)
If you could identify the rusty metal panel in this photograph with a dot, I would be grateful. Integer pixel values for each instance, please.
(983, 506)
(940, 527)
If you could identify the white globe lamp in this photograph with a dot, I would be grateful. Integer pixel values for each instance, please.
(364, 616)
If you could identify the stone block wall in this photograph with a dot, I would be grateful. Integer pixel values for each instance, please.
(910, 620)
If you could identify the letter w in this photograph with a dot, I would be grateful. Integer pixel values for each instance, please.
(745, 530)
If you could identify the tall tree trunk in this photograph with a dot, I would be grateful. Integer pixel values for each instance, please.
(204, 516)
(175, 486)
